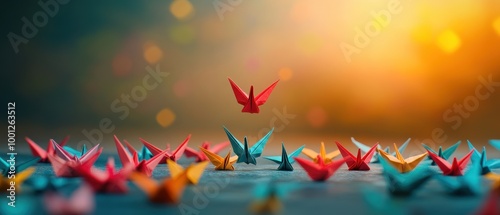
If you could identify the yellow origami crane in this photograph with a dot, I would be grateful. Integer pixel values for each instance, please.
(5, 182)
(219, 162)
(496, 181)
(401, 164)
(327, 158)
(168, 191)
(194, 171)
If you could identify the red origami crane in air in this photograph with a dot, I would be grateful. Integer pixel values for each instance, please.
(145, 166)
(357, 162)
(250, 103)
(456, 168)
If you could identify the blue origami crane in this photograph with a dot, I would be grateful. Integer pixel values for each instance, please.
(5, 165)
(245, 154)
(468, 184)
(376, 157)
(404, 184)
(445, 154)
(285, 161)
(484, 164)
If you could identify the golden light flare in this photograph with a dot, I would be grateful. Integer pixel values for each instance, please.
(285, 74)
(181, 9)
(496, 25)
(449, 42)
(165, 117)
(152, 53)
(182, 34)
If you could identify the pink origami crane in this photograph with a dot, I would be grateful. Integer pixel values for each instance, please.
(200, 156)
(357, 162)
(456, 168)
(250, 103)
(68, 165)
(81, 202)
(37, 151)
(145, 166)
(108, 181)
(320, 171)
(176, 155)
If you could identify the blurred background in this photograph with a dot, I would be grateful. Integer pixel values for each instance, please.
(376, 70)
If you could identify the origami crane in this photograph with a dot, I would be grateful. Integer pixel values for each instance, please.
(245, 154)
(456, 168)
(194, 171)
(468, 184)
(404, 184)
(40, 183)
(401, 164)
(375, 159)
(327, 158)
(75, 151)
(169, 191)
(5, 166)
(485, 164)
(383, 205)
(37, 151)
(219, 162)
(490, 206)
(443, 154)
(108, 181)
(145, 166)
(495, 144)
(285, 161)
(175, 155)
(250, 103)
(67, 165)
(200, 156)
(80, 202)
(357, 162)
(144, 154)
(319, 171)
(7, 183)
(267, 199)
(496, 181)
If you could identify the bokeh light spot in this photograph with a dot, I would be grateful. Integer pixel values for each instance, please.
(181, 9)
(448, 41)
(181, 88)
(165, 117)
(285, 74)
(316, 116)
(182, 34)
(152, 53)
(496, 25)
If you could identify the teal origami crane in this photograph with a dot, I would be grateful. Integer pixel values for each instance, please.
(144, 154)
(41, 184)
(285, 161)
(5, 165)
(445, 154)
(404, 184)
(496, 144)
(75, 151)
(484, 164)
(245, 154)
(467, 184)
(376, 158)
(268, 197)
(383, 205)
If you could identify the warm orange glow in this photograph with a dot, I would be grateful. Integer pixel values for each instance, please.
(449, 41)
(317, 117)
(181, 9)
(165, 117)
(152, 53)
(285, 74)
(496, 25)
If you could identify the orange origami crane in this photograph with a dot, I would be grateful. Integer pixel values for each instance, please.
(327, 158)
(319, 171)
(7, 184)
(194, 171)
(168, 155)
(456, 168)
(200, 156)
(495, 178)
(250, 103)
(109, 181)
(67, 165)
(401, 164)
(37, 151)
(357, 162)
(145, 166)
(169, 191)
(219, 162)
